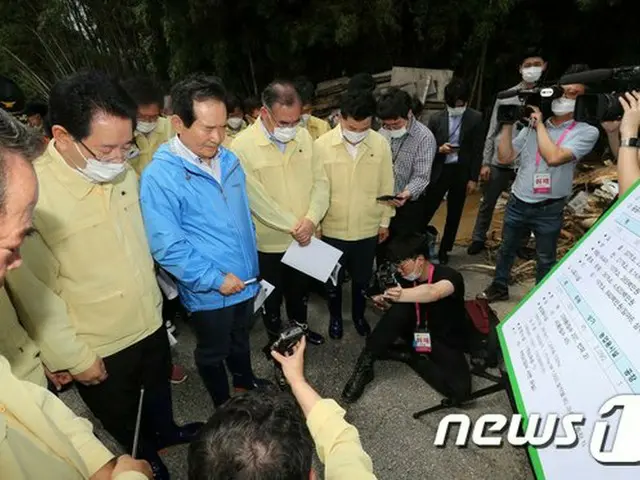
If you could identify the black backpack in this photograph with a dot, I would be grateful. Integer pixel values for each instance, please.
(484, 347)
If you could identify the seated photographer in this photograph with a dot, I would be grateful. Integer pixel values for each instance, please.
(549, 152)
(628, 157)
(425, 308)
(259, 434)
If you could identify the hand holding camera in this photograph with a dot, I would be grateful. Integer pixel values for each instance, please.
(535, 117)
(292, 362)
(631, 119)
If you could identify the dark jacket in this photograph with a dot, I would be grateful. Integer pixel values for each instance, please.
(471, 142)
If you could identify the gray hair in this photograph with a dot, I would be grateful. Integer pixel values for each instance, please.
(280, 91)
(20, 140)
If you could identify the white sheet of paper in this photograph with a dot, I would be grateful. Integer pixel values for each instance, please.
(166, 284)
(573, 344)
(318, 259)
(266, 289)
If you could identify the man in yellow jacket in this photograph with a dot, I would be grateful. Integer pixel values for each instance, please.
(92, 253)
(288, 194)
(39, 436)
(316, 126)
(152, 130)
(358, 164)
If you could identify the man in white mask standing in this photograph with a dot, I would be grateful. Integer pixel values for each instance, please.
(458, 131)
(90, 253)
(549, 152)
(152, 130)
(496, 177)
(288, 194)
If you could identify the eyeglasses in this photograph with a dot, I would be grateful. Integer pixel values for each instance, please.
(127, 152)
(282, 124)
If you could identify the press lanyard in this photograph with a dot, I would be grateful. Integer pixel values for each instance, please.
(395, 157)
(418, 315)
(560, 140)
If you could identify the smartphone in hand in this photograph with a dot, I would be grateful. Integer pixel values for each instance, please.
(387, 198)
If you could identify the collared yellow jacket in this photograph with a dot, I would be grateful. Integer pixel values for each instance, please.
(231, 134)
(148, 144)
(354, 213)
(282, 187)
(98, 293)
(15, 345)
(317, 127)
(40, 437)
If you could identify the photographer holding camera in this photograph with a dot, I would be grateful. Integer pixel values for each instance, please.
(549, 151)
(628, 157)
(427, 308)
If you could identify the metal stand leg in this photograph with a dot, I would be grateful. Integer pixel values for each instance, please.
(451, 403)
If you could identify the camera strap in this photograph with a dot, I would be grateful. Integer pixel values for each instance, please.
(561, 139)
(542, 181)
(421, 336)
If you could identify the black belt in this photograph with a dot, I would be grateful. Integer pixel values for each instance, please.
(544, 203)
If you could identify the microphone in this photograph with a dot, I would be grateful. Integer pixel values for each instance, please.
(508, 94)
(590, 76)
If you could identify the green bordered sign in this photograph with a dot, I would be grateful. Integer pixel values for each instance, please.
(573, 344)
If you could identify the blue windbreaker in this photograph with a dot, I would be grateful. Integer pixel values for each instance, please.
(198, 229)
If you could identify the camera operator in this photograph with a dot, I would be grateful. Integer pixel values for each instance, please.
(498, 177)
(427, 306)
(549, 152)
(628, 157)
(263, 435)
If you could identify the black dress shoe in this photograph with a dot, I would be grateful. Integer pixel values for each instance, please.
(362, 327)
(475, 248)
(360, 378)
(443, 257)
(335, 328)
(180, 435)
(159, 469)
(255, 384)
(494, 293)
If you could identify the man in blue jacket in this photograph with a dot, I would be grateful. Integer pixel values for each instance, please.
(199, 227)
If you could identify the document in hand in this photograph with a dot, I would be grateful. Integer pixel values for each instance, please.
(265, 290)
(318, 259)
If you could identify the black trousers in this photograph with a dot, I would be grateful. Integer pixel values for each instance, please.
(452, 182)
(445, 368)
(289, 284)
(357, 259)
(115, 401)
(408, 219)
(223, 337)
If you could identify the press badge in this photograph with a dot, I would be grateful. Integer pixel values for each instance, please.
(422, 341)
(541, 183)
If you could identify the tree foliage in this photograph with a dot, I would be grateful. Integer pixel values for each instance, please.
(249, 42)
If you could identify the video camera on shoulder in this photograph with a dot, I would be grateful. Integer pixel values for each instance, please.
(606, 85)
(540, 97)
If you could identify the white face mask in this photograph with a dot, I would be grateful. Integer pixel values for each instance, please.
(234, 123)
(456, 111)
(100, 172)
(531, 74)
(401, 132)
(305, 118)
(354, 138)
(563, 106)
(146, 127)
(415, 275)
(285, 134)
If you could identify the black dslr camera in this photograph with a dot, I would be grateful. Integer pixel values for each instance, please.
(287, 340)
(384, 278)
(540, 97)
(606, 86)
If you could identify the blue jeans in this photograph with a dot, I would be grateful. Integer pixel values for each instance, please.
(544, 220)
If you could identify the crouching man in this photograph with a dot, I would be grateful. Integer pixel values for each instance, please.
(426, 311)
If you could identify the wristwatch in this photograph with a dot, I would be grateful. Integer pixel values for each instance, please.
(630, 142)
